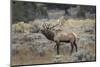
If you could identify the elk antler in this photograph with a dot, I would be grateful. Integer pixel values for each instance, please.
(50, 26)
(54, 26)
(46, 26)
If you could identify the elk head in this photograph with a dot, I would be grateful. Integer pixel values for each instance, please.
(48, 31)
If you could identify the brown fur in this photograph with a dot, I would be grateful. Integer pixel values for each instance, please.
(66, 37)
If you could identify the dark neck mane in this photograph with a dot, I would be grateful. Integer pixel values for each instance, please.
(49, 34)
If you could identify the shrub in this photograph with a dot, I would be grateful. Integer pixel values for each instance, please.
(21, 27)
(14, 49)
(40, 51)
(83, 55)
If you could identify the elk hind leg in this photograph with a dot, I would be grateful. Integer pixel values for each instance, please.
(75, 45)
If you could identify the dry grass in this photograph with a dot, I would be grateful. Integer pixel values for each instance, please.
(28, 54)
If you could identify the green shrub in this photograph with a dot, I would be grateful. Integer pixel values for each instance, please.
(21, 27)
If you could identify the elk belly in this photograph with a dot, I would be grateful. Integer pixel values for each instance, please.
(61, 37)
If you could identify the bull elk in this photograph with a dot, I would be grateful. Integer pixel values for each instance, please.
(59, 36)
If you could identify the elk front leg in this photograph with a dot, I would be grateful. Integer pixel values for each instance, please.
(57, 45)
(71, 48)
